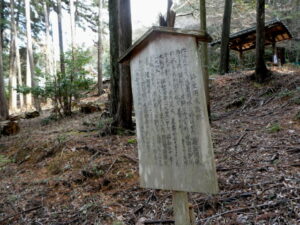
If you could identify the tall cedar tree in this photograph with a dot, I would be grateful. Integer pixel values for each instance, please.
(12, 59)
(18, 59)
(66, 105)
(48, 65)
(224, 61)
(124, 113)
(114, 55)
(60, 37)
(261, 71)
(30, 63)
(100, 49)
(3, 102)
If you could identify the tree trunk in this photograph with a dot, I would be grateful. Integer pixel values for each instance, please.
(66, 105)
(72, 22)
(261, 71)
(124, 115)
(47, 40)
(114, 55)
(224, 62)
(30, 63)
(73, 46)
(100, 49)
(204, 53)
(18, 59)
(3, 102)
(60, 36)
(20, 80)
(12, 61)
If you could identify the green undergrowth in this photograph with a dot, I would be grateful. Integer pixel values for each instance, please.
(3, 161)
(274, 128)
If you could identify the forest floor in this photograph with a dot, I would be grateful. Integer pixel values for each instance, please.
(66, 172)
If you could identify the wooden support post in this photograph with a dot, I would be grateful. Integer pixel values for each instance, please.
(241, 58)
(181, 208)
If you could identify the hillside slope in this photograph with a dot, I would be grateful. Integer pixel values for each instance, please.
(67, 172)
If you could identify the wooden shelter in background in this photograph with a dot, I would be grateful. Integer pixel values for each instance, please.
(275, 31)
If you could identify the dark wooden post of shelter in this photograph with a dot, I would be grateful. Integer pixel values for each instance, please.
(174, 141)
(241, 58)
(281, 54)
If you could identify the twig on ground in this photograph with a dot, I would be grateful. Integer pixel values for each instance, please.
(111, 166)
(20, 213)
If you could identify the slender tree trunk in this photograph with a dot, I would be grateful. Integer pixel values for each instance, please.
(18, 59)
(3, 102)
(60, 36)
(72, 22)
(261, 71)
(204, 53)
(2, 18)
(20, 80)
(12, 61)
(66, 105)
(73, 46)
(124, 115)
(100, 49)
(224, 62)
(30, 63)
(114, 55)
(47, 40)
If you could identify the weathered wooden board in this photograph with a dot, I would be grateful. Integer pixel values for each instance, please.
(174, 142)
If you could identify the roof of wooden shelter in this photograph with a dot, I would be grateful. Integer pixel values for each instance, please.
(244, 40)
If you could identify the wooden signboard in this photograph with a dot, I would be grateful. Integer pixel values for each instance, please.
(174, 141)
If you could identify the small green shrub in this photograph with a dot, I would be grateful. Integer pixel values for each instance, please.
(275, 127)
(132, 141)
(63, 88)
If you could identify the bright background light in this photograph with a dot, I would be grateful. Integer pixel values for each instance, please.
(144, 13)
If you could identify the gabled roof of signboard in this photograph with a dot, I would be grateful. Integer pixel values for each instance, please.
(144, 40)
(244, 40)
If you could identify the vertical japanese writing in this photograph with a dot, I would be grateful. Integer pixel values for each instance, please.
(168, 105)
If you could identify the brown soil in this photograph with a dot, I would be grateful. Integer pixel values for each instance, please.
(65, 172)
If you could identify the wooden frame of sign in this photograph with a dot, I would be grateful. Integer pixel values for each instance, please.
(173, 132)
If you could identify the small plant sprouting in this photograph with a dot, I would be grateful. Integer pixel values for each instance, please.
(132, 141)
(273, 128)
